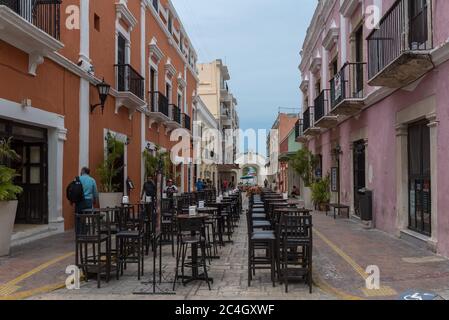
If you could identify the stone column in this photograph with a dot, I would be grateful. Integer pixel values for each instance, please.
(401, 178)
(433, 125)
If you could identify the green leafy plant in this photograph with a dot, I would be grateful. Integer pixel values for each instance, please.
(151, 163)
(111, 167)
(304, 162)
(8, 190)
(321, 191)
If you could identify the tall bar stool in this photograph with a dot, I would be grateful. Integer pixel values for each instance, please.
(130, 240)
(93, 251)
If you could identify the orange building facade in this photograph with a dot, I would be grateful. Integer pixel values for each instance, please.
(53, 56)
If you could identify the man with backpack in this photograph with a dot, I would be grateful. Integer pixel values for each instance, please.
(83, 191)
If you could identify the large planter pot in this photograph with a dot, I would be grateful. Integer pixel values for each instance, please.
(110, 200)
(8, 211)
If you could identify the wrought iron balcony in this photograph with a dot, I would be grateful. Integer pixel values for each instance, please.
(44, 14)
(187, 122)
(159, 104)
(398, 51)
(348, 89)
(323, 118)
(174, 113)
(299, 133)
(129, 80)
(307, 123)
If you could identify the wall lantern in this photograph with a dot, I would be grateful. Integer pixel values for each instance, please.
(103, 91)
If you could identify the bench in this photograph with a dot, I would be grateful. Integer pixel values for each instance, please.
(340, 208)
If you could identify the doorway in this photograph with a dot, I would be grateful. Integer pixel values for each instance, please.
(419, 178)
(30, 143)
(359, 158)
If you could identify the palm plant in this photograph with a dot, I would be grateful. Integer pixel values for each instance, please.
(321, 192)
(8, 190)
(110, 167)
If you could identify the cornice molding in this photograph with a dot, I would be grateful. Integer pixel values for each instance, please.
(122, 12)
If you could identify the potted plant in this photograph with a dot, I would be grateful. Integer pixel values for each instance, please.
(321, 193)
(110, 194)
(8, 196)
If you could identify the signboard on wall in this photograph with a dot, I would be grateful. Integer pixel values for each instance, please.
(334, 179)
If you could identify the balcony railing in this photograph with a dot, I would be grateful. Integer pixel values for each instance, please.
(129, 80)
(44, 14)
(158, 103)
(321, 105)
(306, 120)
(348, 83)
(187, 123)
(175, 113)
(399, 31)
(298, 129)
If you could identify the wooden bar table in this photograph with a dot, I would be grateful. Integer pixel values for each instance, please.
(195, 272)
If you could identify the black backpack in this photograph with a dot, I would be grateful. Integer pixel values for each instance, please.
(75, 191)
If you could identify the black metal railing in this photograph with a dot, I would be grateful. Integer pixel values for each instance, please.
(306, 119)
(158, 103)
(321, 106)
(187, 123)
(348, 83)
(390, 40)
(44, 14)
(298, 128)
(130, 80)
(175, 113)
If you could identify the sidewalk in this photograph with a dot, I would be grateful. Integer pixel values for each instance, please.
(342, 251)
(36, 267)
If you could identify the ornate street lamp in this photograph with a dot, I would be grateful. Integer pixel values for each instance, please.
(103, 92)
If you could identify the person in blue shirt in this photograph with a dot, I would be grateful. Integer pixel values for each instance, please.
(90, 191)
(199, 185)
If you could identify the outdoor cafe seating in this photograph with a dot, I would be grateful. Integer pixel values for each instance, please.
(194, 226)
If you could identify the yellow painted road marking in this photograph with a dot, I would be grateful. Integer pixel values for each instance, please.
(326, 287)
(33, 292)
(7, 290)
(383, 291)
(11, 286)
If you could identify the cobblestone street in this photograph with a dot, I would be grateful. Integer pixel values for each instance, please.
(342, 251)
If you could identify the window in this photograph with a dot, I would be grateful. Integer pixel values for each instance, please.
(168, 92)
(359, 57)
(96, 22)
(418, 23)
(334, 68)
(180, 101)
(318, 87)
(170, 23)
(156, 5)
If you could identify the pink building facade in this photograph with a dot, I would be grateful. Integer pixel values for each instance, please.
(376, 99)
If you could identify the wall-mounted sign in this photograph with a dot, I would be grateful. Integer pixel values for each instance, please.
(334, 179)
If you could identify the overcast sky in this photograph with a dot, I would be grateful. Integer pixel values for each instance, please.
(260, 41)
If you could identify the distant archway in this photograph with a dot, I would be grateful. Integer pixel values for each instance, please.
(252, 161)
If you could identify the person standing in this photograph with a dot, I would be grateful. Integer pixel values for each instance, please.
(225, 185)
(148, 189)
(170, 189)
(199, 185)
(90, 191)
